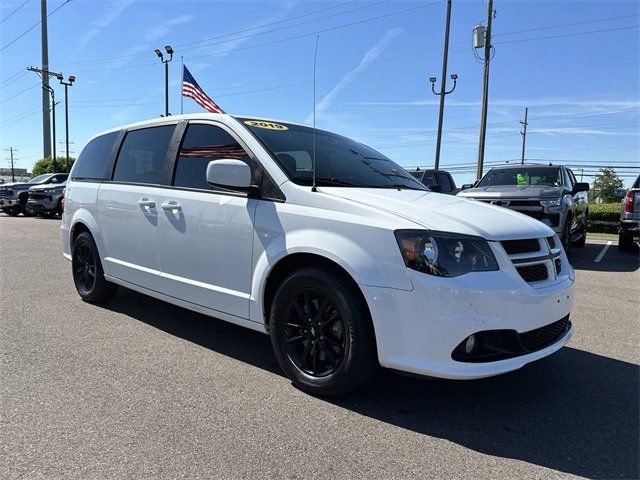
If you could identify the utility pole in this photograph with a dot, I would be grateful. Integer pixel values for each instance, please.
(13, 175)
(443, 84)
(45, 73)
(523, 132)
(46, 125)
(485, 90)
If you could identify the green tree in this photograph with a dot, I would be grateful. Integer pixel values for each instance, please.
(45, 165)
(605, 185)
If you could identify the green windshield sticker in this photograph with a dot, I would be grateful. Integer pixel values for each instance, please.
(522, 179)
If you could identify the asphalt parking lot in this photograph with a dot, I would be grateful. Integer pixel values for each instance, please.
(139, 388)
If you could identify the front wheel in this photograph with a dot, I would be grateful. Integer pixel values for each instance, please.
(12, 211)
(321, 332)
(88, 275)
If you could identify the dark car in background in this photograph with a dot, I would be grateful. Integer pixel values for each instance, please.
(550, 194)
(46, 200)
(14, 197)
(629, 216)
(436, 180)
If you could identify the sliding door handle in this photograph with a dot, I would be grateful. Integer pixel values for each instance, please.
(172, 205)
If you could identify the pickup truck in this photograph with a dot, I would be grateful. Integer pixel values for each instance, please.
(550, 194)
(14, 196)
(435, 180)
(629, 216)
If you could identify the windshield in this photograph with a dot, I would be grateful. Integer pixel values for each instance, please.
(340, 161)
(523, 177)
(40, 178)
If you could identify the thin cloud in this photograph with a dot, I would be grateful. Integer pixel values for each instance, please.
(164, 28)
(368, 58)
(110, 12)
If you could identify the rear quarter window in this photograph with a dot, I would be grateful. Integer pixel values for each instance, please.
(93, 162)
(143, 156)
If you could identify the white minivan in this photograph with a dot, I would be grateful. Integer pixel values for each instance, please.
(347, 266)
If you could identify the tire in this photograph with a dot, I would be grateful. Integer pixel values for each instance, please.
(337, 336)
(583, 239)
(625, 241)
(566, 234)
(88, 275)
(12, 211)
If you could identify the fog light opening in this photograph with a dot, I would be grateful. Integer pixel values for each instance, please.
(470, 345)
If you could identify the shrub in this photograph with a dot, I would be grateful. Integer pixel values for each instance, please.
(604, 212)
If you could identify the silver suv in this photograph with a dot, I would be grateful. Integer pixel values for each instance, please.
(547, 193)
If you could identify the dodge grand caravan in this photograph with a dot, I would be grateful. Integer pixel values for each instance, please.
(347, 266)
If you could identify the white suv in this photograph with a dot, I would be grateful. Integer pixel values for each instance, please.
(220, 215)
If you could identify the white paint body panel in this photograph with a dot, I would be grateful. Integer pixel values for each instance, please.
(214, 253)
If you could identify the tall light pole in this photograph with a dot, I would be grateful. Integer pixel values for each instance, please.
(485, 88)
(66, 84)
(443, 85)
(166, 75)
(523, 132)
(53, 130)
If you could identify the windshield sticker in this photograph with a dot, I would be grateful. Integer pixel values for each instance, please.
(267, 125)
(522, 179)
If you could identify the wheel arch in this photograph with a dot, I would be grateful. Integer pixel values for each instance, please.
(83, 221)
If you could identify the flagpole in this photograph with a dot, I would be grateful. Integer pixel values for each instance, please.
(181, 73)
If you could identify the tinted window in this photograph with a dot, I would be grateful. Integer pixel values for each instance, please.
(40, 178)
(523, 177)
(572, 177)
(142, 158)
(340, 161)
(416, 175)
(94, 158)
(429, 179)
(58, 178)
(445, 182)
(202, 144)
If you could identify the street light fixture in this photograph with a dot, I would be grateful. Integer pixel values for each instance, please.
(169, 51)
(66, 84)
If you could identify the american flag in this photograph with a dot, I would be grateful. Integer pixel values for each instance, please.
(191, 89)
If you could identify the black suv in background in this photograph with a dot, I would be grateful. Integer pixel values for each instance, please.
(436, 180)
(14, 196)
(549, 193)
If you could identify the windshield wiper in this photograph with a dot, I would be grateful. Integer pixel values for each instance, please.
(332, 181)
(400, 186)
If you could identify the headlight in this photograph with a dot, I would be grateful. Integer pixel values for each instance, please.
(445, 254)
(551, 203)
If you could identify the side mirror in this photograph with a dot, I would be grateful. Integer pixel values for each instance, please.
(620, 193)
(229, 173)
(435, 188)
(581, 187)
(466, 186)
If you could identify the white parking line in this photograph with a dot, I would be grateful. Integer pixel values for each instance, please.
(602, 253)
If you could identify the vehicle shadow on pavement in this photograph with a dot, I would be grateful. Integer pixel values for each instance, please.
(575, 412)
(613, 261)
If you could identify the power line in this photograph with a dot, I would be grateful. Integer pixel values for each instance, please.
(550, 27)
(11, 14)
(16, 76)
(19, 93)
(574, 34)
(32, 27)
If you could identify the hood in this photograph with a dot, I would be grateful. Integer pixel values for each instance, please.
(513, 191)
(446, 213)
(16, 185)
(47, 186)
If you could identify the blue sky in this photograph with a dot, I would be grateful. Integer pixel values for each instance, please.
(581, 82)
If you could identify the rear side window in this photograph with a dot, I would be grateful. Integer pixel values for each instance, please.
(94, 159)
(445, 182)
(202, 144)
(142, 158)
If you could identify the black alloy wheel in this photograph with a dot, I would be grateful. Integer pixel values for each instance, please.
(88, 275)
(84, 268)
(321, 331)
(315, 333)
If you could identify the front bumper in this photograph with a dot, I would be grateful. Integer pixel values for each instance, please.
(48, 203)
(9, 202)
(417, 331)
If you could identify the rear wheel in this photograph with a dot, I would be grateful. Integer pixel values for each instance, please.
(88, 275)
(24, 207)
(322, 333)
(625, 241)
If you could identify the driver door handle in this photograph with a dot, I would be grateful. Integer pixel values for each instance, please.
(172, 205)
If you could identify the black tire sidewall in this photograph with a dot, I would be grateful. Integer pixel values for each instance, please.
(356, 361)
(102, 289)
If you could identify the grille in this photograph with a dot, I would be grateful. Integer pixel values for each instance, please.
(558, 266)
(533, 273)
(38, 196)
(524, 203)
(521, 246)
(541, 337)
(552, 242)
